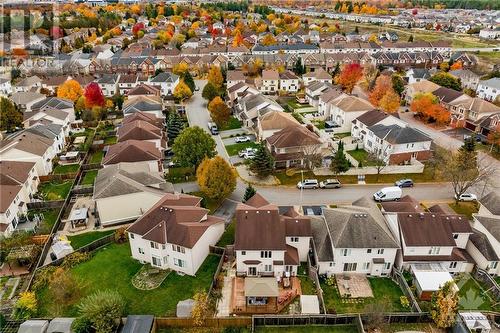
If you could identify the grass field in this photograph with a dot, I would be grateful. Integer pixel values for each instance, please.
(228, 235)
(180, 175)
(77, 241)
(233, 150)
(112, 268)
(472, 296)
(65, 169)
(465, 208)
(233, 123)
(55, 190)
(89, 177)
(96, 157)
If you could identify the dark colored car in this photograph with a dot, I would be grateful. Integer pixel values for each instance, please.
(404, 183)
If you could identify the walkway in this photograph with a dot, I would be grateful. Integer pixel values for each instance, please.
(224, 304)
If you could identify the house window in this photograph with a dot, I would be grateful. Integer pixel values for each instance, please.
(178, 248)
(332, 264)
(350, 267)
(165, 260)
(434, 250)
(494, 265)
(453, 264)
(156, 261)
(265, 254)
(154, 245)
(268, 268)
(346, 252)
(369, 251)
(163, 246)
(366, 266)
(243, 253)
(294, 239)
(7, 213)
(455, 236)
(387, 265)
(380, 251)
(141, 250)
(179, 262)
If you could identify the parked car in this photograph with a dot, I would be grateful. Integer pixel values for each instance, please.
(404, 183)
(240, 139)
(330, 183)
(392, 193)
(308, 184)
(196, 88)
(467, 197)
(247, 153)
(213, 128)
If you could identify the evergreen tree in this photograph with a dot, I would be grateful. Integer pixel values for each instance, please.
(336, 71)
(340, 163)
(249, 192)
(298, 68)
(356, 30)
(188, 79)
(263, 163)
(410, 39)
(175, 125)
(468, 154)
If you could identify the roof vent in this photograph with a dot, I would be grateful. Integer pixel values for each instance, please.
(269, 212)
(460, 217)
(433, 215)
(409, 215)
(246, 211)
(447, 217)
(257, 212)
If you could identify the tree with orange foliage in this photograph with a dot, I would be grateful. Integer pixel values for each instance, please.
(238, 38)
(71, 90)
(390, 102)
(269, 40)
(17, 52)
(427, 106)
(350, 75)
(136, 9)
(382, 85)
(456, 65)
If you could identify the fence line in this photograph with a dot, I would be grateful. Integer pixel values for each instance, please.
(207, 322)
(484, 277)
(58, 177)
(400, 279)
(91, 166)
(213, 285)
(45, 204)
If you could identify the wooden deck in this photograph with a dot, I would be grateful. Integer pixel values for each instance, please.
(275, 304)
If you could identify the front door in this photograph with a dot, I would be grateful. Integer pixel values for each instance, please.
(252, 271)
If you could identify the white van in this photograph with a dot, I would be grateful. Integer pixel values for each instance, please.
(393, 193)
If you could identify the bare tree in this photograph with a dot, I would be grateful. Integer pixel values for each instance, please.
(377, 161)
(312, 157)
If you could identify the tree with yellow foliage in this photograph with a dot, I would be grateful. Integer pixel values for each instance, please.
(71, 90)
(180, 68)
(268, 40)
(390, 102)
(182, 91)
(238, 38)
(444, 305)
(215, 76)
(219, 111)
(136, 9)
(216, 178)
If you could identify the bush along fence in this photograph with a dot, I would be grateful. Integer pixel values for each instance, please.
(401, 281)
(222, 252)
(492, 286)
(313, 274)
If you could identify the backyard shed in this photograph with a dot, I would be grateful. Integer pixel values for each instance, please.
(60, 325)
(184, 308)
(138, 324)
(476, 322)
(34, 326)
(309, 304)
(79, 216)
(428, 282)
(62, 249)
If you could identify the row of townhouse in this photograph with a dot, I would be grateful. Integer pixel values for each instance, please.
(361, 238)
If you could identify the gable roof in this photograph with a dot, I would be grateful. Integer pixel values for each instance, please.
(131, 151)
(277, 120)
(165, 77)
(396, 134)
(138, 130)
(293, 136)
(235, 75)
(350, 103)
(372, 117)
(144, 116)
(28, 142)
(447, 95)
(491, 223)
(484, 246)
(14, 172)
(491, 202)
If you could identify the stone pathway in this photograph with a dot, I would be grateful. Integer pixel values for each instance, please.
(224, 304)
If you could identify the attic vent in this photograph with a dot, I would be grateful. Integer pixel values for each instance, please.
(447, 217)
(355, 215)
(257, 212)
(433, 215)
(409, 215)
(246, 211)
(269, 212)
(460, 217)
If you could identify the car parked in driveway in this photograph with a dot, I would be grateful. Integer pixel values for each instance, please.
(330, 183)
(241, 139)
(308, 184)
(404, 183)
(247, 153)
(466, 197)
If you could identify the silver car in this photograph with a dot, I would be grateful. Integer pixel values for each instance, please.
(308, 184)
(330, 183)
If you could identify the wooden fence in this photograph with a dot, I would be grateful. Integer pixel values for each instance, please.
(58, 178)
(492, 286)
(313, 275)
(208, 322)
(215, 280)
(401, 281)
(91, 166)
(45, 204)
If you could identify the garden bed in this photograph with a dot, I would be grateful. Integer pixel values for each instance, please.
(149, 278)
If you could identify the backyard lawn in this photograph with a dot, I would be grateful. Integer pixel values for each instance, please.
(228, 235)
(465, 208)
(112, 268)
(110, 140)
(234, 149)
(320, 124)
(89, 177)
(96, 157)
(307, 286)
(294, 105)
(65, 169)
(49, 219)
(385, 291)
(472, 295)
(55, 190)
(77, 241)
(233, 123)
(180, 175)
(308, 329)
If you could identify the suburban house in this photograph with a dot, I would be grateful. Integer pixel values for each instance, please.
(166, 81)
(5, 87)
(233, 77)
(25, 99)
(325, 97)
(448, 97)
(18, 182)
(315, 90)
(238, 91)
(176, 233)
(125, 191)
(469, 79)
(133, 151)
(146, 104)
(319, 74)
(142, 130)
(489, 89)
(144, 90)
(422, 86)
(472, 111)
(29, 147)
(344, 109)
(269, 82)
(31, 83)
(272, 122)
(109, 84)
(144, 116)
(417, 74)
(289, 82)
(127, 82)
(353, 239)
(56, 110)
(251, 107)
(292, 145)
(268, 243)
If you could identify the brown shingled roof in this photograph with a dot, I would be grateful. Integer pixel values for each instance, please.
(132, 151)
(293, 136)
(14, 172)
(138, 130)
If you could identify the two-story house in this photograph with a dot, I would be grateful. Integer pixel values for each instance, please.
(176, 233)
(134, 151)
(315, 90)
(472, 111)
(142, 130)
(251, 107)
(344, 109)
(292, 145)
(417, 74)
(233, 77)
(353, 239)
(289, 82)
(469, 79)
(109, 84)
(319, 74)
(269, 82)
(489, 89)
(167, 82)
(5, 87)
(268, 243)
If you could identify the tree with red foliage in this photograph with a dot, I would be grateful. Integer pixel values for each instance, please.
(382, 85)
(56, 32)
(137, 27)
(414, 11)
(350, 75)
(93, 96)
(214, 33)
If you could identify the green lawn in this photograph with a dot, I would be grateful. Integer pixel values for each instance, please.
(65, 169)
(112, 268)
(497, 279)
(207, 203)
(294, 105)
(361, 156)
(465, 208)
(307, 285)
(49, 219)
(110, 140)
(384, 290)
(181, 175)
(320, 124)
(77, 241)
(96, 157)
(89, 177)
(233, 123)
(342, 135)
(228, 235)
(55, 190)
(493, 57)
(298, 117)
(472, 296)
(308, 329)
(234, 149)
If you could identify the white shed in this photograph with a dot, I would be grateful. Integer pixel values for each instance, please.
(309, 304)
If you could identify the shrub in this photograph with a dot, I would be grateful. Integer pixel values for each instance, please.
(26, 306)
(103, 309)
(75, 258)
(81, 325)
(120, 235)
(330, 281)
(405, 303)
(42, 277)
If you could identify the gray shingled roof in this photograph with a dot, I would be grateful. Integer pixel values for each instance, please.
(396, 134)
(491, 223)
(482, 243)
(491, 202)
